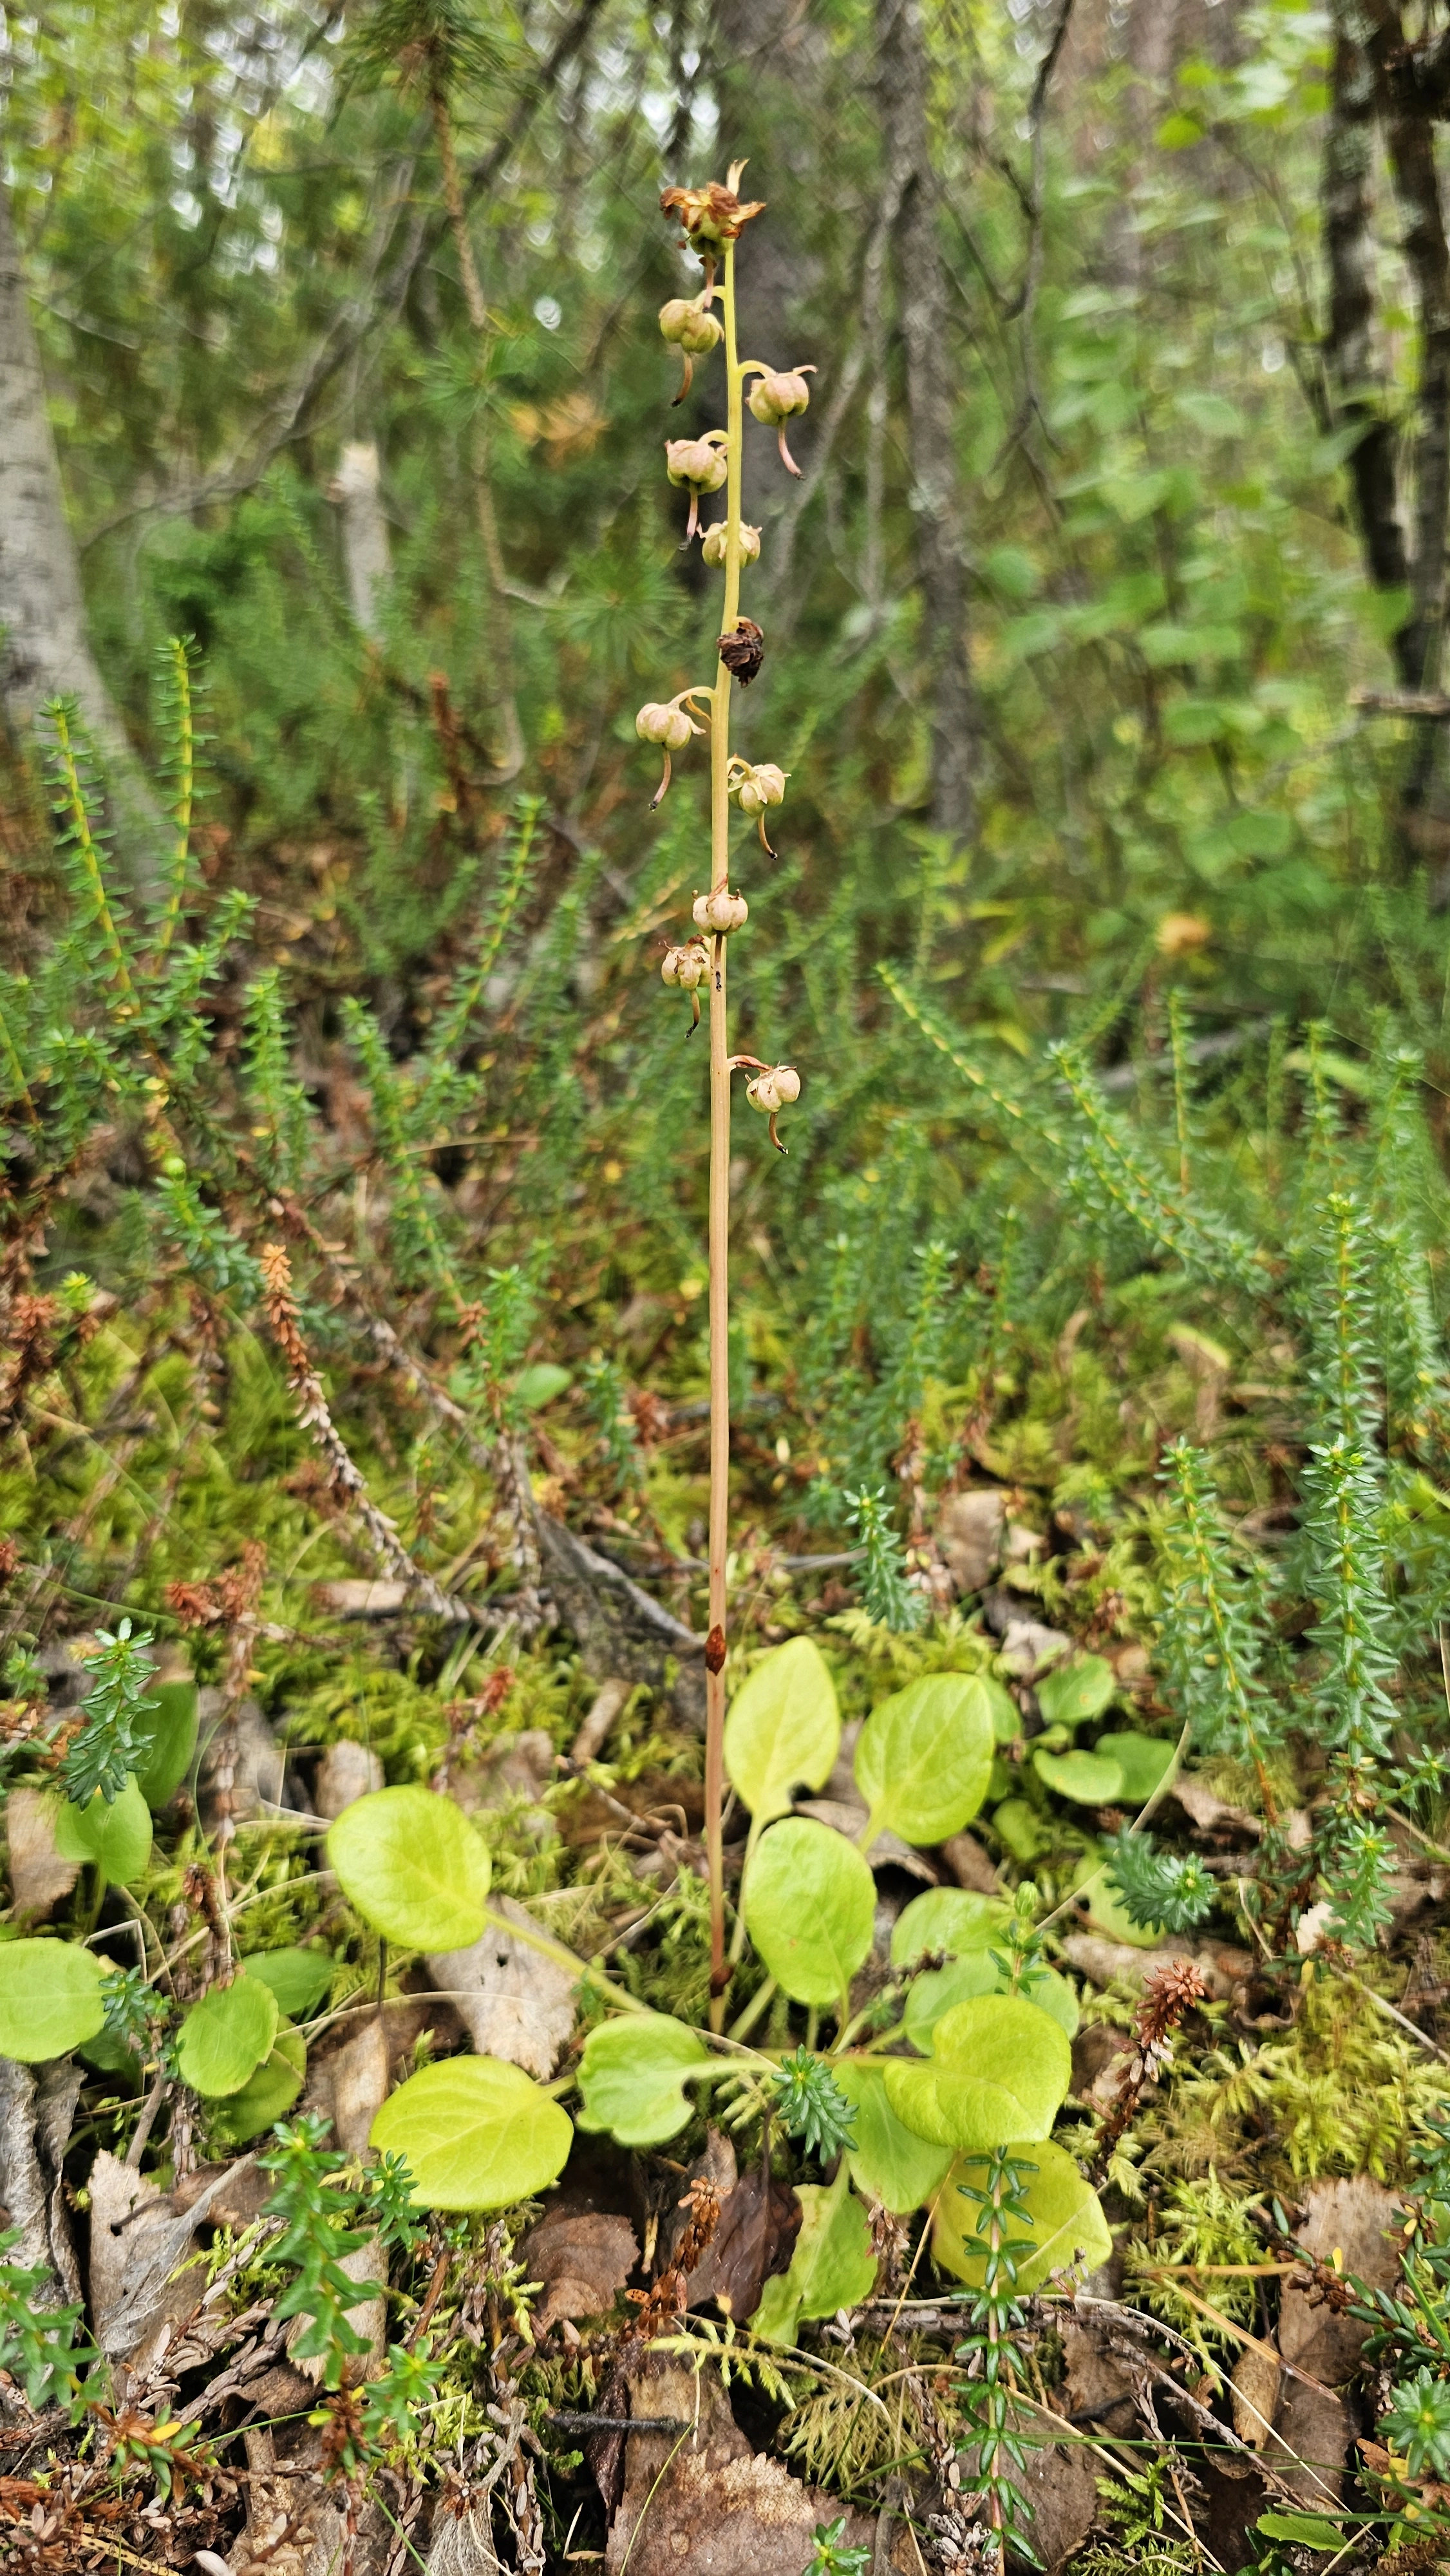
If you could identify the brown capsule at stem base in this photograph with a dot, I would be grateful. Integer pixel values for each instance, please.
(715, 1650)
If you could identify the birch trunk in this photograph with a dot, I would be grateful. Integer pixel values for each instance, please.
(936, 497)
(44, 652)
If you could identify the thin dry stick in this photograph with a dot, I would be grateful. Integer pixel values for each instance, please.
(314, 1414)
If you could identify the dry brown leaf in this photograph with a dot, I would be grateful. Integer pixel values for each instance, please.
(707, 2500)
(512, 2000)
(1255, 2388)
(754, 2239)
(39, 1878)
(583, 2261)
(969, 1535)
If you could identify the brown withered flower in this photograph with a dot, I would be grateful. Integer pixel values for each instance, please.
(744, 651)
(711, 215)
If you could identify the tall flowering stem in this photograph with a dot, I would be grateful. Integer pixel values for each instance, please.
(713, 218)
(720, 1180)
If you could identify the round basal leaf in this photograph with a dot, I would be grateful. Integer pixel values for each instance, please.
(413, 1866)
(973, 1972)
(810, 1908)
(832, 2266)
(1018, 1825)
(1066, 2223)
(632, 2076)
(978, 1972)
(1088, 1777)
(924, 1758)
(265, 2096)
(476, 2134)
(225, 2037)
(50, 1999)
(1106, 1913)
(1144, 1761)
(110, 2055)
(117, 1839)
(999, 2071)
(298, 1978)
(1072, 1693)
(784, 1727)
(946, 1918)
(886, 2162)
(1006, 1715)
(165, 1741)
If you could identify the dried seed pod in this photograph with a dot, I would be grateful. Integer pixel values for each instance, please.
(758, 786)
(743, 651)
(689, 967)
(700, 463)
(669, 726)
(692, 330)
(686, 966)
(774, 399)
(720, 911)
(664, 724)
(713, 549)
(772, 1091)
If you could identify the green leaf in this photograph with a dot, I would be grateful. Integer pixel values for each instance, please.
(810, 1908)
(117, 1839)
(226, 2036)
(476, 2134)
(1072, 1693)
(298, 1978)
(832, 2266)
(945, 1918)
(1213, 413)
(1006, 1715)
(976, 1973)
(266, 2095)
(1086, 1777)
(414, 1867)
(783, 1727)
(50, 1999)
(1106, 1913)
(632, 2077)
(1143, 1760)
(887, 2162)
(538, 1385)
(924, 1757)
(1305, 2530)
(998, 2072)
(1018, 1825)
(165, 1738)
(1066, 2222)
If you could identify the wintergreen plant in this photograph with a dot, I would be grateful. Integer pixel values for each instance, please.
(713, 218)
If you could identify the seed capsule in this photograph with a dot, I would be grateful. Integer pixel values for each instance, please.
(700, 463)
(664, 724)
(720, 911)
(691, 330)
(774, 399)
(772, 1091)
(713, 549)
(686, 966)
(757, 787)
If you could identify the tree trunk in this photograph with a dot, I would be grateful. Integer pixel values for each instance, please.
(769, 63)
(43, 648)
(365, 552)
(936, 497)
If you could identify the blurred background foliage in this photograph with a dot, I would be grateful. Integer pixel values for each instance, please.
(1172, 834)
